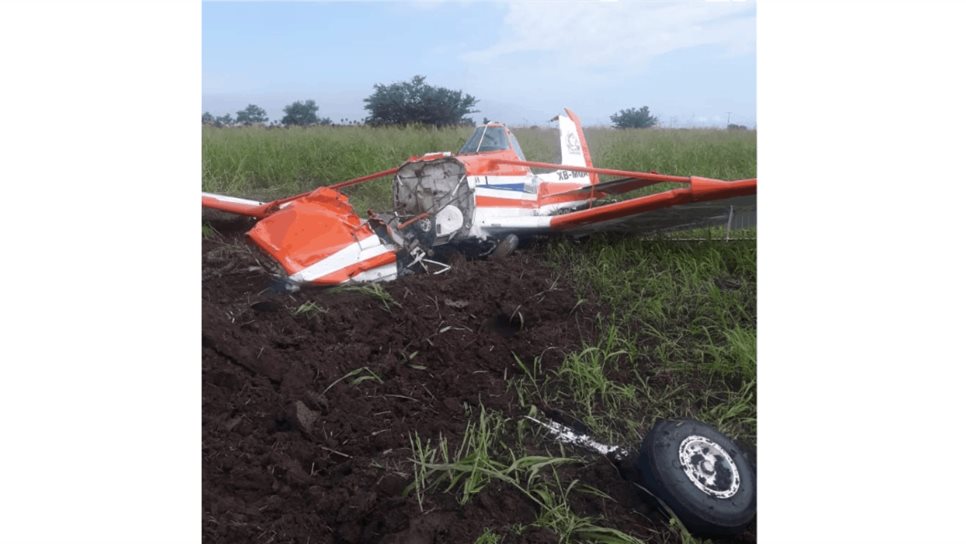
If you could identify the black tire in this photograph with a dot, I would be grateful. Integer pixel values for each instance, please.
(708, 499)
(506, 246)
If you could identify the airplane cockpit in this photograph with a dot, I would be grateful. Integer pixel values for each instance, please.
(491, 137)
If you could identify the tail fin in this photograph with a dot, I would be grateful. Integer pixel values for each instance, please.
(573, 145)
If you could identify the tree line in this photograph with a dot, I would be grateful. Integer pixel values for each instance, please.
(411, 102)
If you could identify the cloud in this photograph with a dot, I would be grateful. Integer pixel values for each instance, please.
(615, 37)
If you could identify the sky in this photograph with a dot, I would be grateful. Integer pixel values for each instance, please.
(691, 62)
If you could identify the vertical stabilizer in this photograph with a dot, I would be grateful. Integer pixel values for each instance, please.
(573, 144)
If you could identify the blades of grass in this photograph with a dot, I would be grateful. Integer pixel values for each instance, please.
(369, 375)
(309, 307)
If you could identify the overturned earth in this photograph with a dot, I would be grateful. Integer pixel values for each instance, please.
(311, 400)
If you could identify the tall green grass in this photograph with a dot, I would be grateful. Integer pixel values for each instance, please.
(484, 458)
(267, 163)
(682, 320)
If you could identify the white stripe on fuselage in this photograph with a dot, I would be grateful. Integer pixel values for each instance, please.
(501, 224)
(380, 273)
(355, 252)
(490, 221)
(483, 190)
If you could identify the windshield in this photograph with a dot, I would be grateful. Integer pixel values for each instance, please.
(485, 139)
(516, 147)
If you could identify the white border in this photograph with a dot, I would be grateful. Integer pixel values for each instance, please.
(101, 387)
(861, 288)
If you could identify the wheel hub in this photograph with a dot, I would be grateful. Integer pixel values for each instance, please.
(709, 467)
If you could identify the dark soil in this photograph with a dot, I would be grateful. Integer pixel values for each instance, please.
(298, 448)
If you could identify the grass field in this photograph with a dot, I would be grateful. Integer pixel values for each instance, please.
(683, 310)
(269, 163)
(678, 339)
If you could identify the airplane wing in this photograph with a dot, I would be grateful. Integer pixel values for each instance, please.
(230, 204)
(704, 202)
(700, 201)
(256, 209)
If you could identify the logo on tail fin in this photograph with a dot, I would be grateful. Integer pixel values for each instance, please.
(573, 144)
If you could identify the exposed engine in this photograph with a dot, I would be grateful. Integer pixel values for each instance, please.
(439, 192)
(433, 205)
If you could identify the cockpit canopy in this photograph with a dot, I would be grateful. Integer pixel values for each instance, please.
(491, 137)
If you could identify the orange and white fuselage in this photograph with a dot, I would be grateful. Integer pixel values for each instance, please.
(479, 196)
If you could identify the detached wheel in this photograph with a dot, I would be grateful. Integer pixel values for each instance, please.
(506, 246)
(703, 476)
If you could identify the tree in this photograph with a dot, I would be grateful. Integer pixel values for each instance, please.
(251, 115)
(634, 118)
(301, 114)
(415, 102)
(207, 119)
(733, 126)
(224, 121)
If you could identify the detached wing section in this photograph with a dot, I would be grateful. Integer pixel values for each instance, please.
(704, 201)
